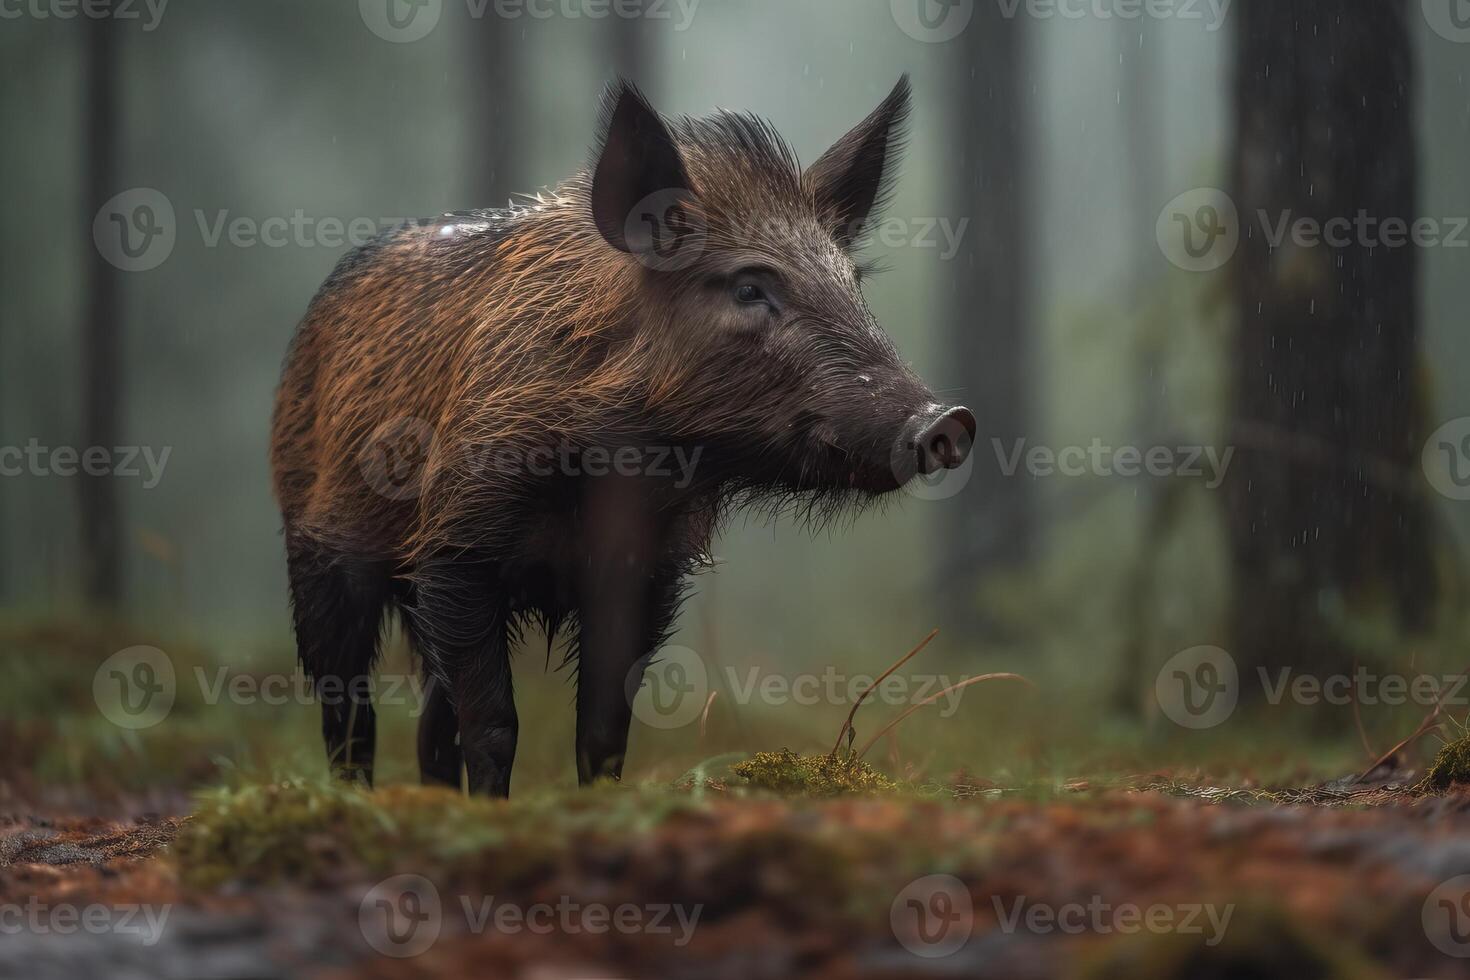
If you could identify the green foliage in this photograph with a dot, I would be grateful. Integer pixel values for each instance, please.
(787, 773)
(308, 830)
(1451, 764)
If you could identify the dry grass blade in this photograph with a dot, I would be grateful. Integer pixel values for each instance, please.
(704, 715)
(1426, 726)
(847, 725)
(1358, 721)
(932, 698)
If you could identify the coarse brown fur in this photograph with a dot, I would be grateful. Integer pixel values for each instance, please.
(445, 395)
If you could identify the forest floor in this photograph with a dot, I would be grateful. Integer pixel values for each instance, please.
(1141, 878)
(1070, 858)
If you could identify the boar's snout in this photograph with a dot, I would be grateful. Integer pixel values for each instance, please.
(940, 439)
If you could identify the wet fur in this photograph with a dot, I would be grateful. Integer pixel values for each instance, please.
(521, 329)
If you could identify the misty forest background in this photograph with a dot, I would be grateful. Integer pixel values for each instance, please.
(1059, 320)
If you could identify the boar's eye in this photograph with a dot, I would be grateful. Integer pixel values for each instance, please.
(749, 292)
(753, 286)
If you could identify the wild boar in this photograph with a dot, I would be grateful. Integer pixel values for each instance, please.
(541, 414)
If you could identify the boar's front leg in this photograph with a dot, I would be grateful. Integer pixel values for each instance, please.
(627, 597)
(459, 623)
(621, 627)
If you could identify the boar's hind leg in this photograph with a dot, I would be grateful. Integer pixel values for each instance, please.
(337, 604)
(440, 760)
(459, 626)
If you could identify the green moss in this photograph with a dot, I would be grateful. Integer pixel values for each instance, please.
(311, 831)
(1451, 765)
(295, 829)
(787, 773)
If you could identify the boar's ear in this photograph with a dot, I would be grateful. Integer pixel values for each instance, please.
(637, 159)
(851, 182)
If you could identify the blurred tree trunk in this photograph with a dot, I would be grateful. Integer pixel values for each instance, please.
(1323, 517)
(989, 526)
(7, 290)
(101, 337)
(1137, 41)
(1138, 92)
(633, 47)
(498, 132)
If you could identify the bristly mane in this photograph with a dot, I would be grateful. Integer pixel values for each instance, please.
(739, 138)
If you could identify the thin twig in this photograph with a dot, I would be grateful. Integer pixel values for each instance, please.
(1425, 727)
(704, 715)
(1358, 720)
(931, 699)
(846, 725)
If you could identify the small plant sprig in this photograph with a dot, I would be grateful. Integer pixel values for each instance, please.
(1430, 723)
(850, 733)
(847, 729)
(936, 697)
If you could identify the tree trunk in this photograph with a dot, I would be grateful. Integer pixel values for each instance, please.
(1160, 499)
(1137, 49)
(633, 47)
(497, 169)
(988, 527)
(101, 365)
(1323, 515)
